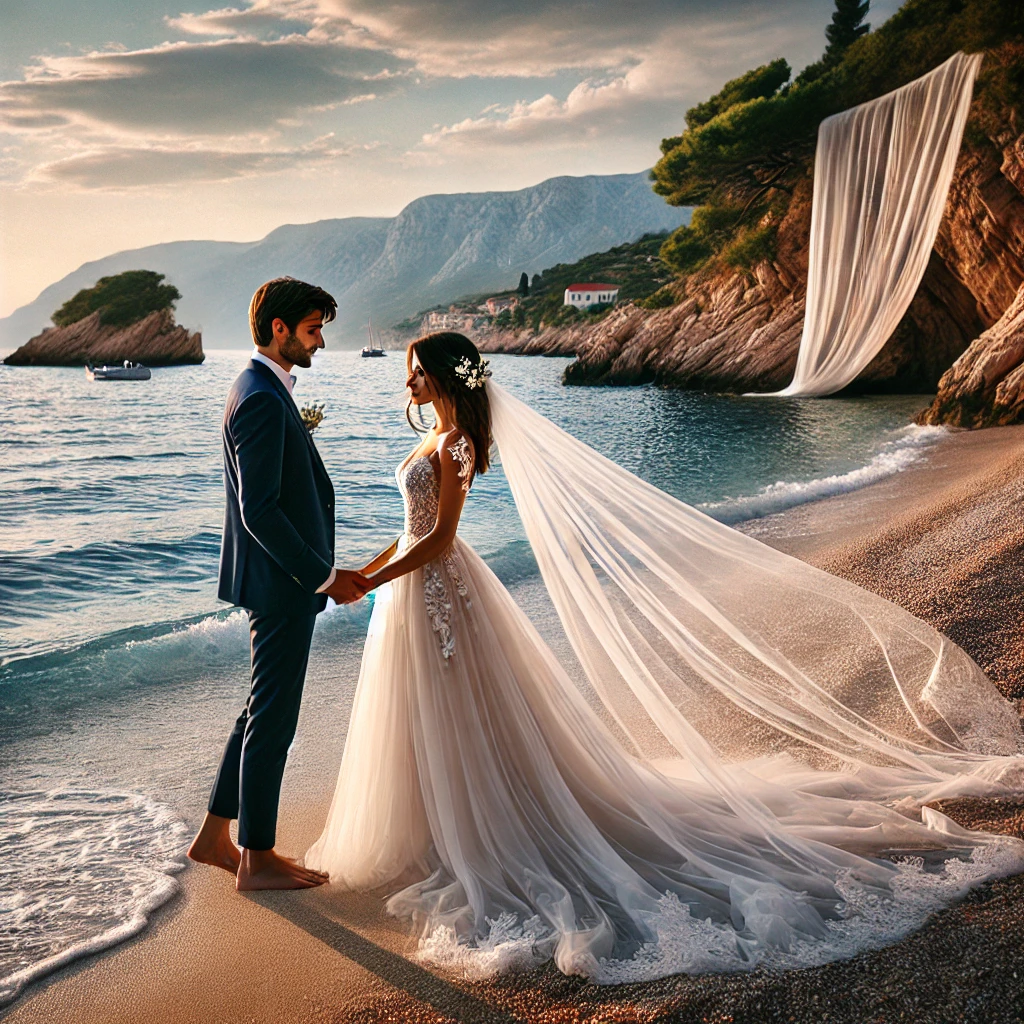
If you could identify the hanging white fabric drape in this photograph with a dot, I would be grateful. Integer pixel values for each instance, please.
(881, 175)
(709, 649)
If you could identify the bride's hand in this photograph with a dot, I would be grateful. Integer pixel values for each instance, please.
(348, 586)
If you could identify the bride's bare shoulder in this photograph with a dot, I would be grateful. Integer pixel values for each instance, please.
(456, 450)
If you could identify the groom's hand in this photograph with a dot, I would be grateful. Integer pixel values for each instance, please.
(348, 586)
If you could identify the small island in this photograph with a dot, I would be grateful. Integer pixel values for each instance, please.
(126, 316)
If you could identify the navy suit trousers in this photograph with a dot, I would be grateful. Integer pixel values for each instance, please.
(248, 781)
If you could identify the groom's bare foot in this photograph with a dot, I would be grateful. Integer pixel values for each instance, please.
(213, 845)
(267, 869)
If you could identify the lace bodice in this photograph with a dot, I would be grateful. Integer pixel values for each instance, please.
(442, 581)
(418, 484)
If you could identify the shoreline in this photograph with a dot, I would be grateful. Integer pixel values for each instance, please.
(942, 537)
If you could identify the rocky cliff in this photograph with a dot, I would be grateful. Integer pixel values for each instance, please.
(733, 331)
(982, 242)
(155, 341)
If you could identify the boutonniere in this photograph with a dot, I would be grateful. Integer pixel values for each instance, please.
(312, 415)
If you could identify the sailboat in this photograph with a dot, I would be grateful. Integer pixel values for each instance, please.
(374, 348)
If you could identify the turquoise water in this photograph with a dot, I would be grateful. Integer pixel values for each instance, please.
(120, 672)
(112, 500)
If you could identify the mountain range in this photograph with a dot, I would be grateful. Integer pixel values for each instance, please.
(439, 248)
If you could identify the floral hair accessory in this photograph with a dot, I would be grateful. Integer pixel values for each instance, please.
(473, 376)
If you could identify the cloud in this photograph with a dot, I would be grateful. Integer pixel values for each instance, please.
(467, 38)
(186, 89)
(506, 38)
(264, 19)
(591, 109)
(122, 168)
(643, 102)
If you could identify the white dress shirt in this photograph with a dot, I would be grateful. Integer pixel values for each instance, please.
(288, 380)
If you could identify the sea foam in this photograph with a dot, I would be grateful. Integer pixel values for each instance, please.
(80, 871)
(894, 457)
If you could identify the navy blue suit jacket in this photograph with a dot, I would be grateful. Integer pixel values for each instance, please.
(278, 544)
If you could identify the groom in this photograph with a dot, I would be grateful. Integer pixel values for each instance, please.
(277, 561)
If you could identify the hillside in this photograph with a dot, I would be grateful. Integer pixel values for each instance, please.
(636, 267)
(438, 246)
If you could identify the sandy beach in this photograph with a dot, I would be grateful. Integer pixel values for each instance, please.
(944, 538)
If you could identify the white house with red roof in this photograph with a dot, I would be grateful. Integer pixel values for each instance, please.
(583, 295)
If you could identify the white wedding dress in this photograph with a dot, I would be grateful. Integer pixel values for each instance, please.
(737, 781)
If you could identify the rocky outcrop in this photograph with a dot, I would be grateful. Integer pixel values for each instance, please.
(982, 242)
(985, 386)
(155, 341)
(981, 238)
(735, 334)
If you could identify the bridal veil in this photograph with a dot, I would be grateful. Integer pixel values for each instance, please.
(708, 648)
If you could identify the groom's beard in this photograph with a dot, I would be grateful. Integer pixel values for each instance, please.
(295, 352)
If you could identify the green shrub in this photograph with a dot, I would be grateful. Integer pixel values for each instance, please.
(749, 247)
(757, 84)
(120, 300)
(686, 251)
(659, 300)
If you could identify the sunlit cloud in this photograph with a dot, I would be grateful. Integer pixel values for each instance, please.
(644, 101)
(260, 21)
(186, 88)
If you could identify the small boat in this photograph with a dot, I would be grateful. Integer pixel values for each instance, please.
(374, 348)
(126, 371)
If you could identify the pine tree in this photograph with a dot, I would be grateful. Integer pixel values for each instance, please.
(846, 29)
(121, 299)
(524, 285)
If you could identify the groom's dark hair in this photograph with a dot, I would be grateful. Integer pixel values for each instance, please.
(289, 300)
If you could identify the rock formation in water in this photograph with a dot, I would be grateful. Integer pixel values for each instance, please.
(155, 341)
(740, 331)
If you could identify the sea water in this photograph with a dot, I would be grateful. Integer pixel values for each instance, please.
(121, 673)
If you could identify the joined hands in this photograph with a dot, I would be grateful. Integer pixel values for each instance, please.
(349, 585)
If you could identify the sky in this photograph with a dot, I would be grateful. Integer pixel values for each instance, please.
(125, 123)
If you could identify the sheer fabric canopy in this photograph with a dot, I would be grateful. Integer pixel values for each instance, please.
(881, 174)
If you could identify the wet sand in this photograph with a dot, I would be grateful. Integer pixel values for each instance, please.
(944, 538)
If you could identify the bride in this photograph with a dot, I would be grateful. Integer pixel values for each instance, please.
(731, 772)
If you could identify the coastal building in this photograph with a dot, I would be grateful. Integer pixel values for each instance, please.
(501, 303)
(449, 321)
(583, 295)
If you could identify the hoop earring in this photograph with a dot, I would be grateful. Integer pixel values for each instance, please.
(422, 428)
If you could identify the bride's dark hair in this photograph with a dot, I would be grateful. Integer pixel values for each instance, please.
(440, 354)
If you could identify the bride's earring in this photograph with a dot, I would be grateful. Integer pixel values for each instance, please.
(422, 428)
